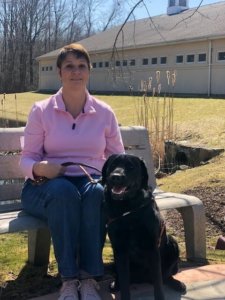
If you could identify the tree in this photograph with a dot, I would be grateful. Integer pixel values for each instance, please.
(22, 23)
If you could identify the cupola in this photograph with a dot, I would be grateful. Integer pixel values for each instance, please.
(176, 6)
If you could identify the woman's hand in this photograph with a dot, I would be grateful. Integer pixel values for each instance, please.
(48, 169)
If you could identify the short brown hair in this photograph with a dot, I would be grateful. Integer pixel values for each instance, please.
(77, 49)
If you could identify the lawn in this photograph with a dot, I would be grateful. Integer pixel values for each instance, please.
(195, 121)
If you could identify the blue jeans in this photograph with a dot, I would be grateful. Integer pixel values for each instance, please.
(72, 207)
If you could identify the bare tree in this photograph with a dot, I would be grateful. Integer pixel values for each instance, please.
(73, 26)
(113, 15)
(59, 10)
(99, 15)
(36, 21)
(9, 46)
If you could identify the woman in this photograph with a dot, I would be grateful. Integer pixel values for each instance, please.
(70, 126)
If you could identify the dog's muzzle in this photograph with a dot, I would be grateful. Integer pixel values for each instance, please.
(117, 184)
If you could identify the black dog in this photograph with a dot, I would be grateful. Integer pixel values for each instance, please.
(143, 252)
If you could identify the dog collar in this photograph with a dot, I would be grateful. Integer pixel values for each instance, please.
(110, 221)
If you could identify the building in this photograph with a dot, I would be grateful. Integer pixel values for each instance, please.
(185, 42)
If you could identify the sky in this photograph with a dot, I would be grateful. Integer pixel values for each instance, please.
(158, 7)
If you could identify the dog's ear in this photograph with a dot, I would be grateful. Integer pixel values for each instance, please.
(105, 167)
(144, 172)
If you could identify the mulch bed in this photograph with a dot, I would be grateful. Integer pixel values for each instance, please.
(213, 199)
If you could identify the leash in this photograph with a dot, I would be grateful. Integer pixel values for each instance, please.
(162, 223)
(82, 167)
(41, 179)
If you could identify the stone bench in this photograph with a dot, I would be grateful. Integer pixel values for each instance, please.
(136, 141)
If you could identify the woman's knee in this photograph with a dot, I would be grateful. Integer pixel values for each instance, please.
(60, 192)
(61, 188)
(95, 192)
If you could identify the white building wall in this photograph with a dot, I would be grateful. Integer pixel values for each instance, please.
(192, 77)
(48, 76)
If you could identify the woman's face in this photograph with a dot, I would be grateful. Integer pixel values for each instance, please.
(74, 72)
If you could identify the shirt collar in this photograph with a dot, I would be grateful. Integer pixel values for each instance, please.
(58, 102)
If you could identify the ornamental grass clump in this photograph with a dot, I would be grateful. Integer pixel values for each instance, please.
(155, 111)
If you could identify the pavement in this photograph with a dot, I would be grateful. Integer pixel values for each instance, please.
(203, 283)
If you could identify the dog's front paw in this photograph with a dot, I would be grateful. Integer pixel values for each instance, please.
(176, 285)
(114, 286)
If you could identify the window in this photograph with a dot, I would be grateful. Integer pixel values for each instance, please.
(106, 64)
(94, 65)
(183, 2)
(46, 68)
(178, 2)
(202, 57)
(154, 61)
(43, 68)
(50, 68)
(117, 63)
(125, 63)
(132, 62)
(163, 60)
(100, 64)
(221, 56)
(145, 61)
(179, 59)
(190, 58)
(172, 3)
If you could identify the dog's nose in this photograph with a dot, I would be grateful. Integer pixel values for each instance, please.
(117, 178)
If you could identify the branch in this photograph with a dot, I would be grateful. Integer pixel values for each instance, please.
(121, 28)
(188, 16)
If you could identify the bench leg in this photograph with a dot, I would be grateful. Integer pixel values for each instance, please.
(194, 228)
(39, 241)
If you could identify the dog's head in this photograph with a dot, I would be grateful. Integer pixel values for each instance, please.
(123, 175)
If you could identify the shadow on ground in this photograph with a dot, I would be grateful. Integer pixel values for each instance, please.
(31, 282)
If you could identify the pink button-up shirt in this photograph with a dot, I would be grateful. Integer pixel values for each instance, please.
(52, 134)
